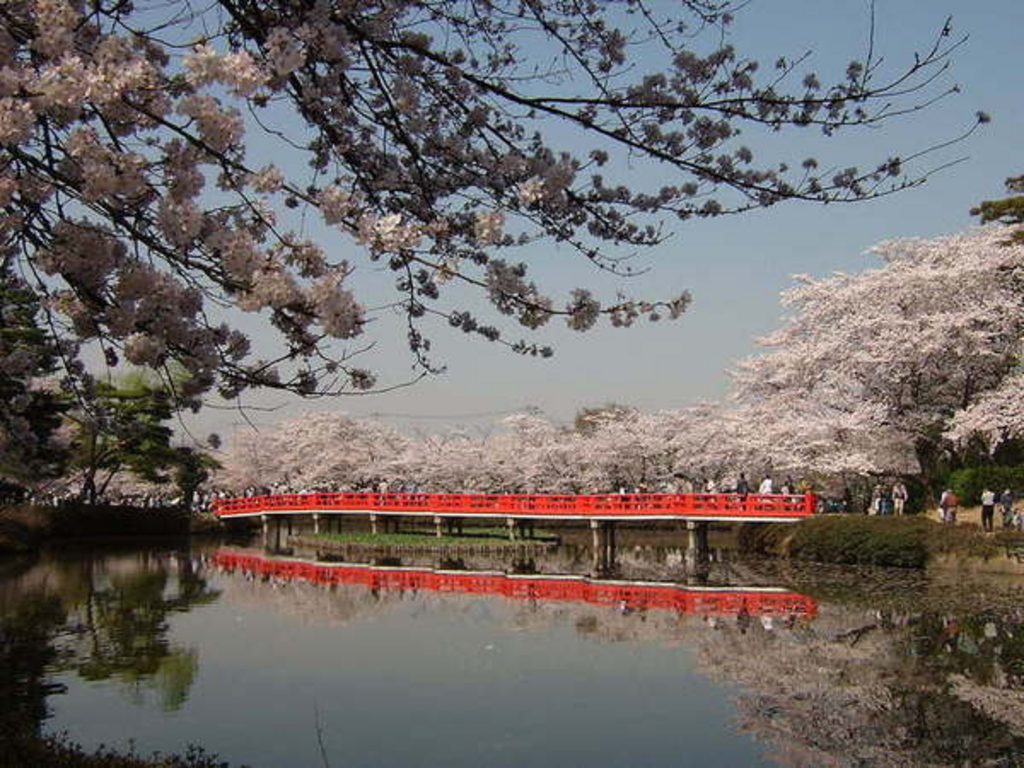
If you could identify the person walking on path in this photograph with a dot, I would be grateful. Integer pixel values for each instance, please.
(1006, 500)
(875, 507)
(947, 506)
(766, 485)
(899, 497)
(988, 510)
(885, 502)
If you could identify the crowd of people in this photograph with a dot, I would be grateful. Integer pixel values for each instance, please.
(1012, 518)
(889, 500)
(201, 501)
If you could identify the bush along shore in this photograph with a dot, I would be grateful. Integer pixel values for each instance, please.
(25, 527)
(905, 542)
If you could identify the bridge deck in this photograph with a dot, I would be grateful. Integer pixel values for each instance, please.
(628, 506)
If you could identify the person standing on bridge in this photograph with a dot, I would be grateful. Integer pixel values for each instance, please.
(766, 485)
(742, 486)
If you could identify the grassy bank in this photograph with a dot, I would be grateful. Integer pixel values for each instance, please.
(906, 542)
(25, 527)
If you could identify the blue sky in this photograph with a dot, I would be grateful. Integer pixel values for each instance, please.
(734, 266)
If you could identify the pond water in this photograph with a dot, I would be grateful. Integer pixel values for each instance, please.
(280, 661)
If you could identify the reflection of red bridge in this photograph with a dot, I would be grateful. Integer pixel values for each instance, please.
(627, 594)
(608, 507)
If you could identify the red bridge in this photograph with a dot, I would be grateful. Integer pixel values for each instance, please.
(723, 507)
(621, 594)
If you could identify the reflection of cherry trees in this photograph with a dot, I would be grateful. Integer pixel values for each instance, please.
(855, 687)
(123, 632)
(103, 618)
(27, 626)
(851, 686)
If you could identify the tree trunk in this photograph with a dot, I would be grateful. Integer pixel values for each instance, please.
(929, 454)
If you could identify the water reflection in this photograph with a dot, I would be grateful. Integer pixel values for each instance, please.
(624, 596)
(838, 667)
(100, 617)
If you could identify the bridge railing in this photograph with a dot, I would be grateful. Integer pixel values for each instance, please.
(553, 505)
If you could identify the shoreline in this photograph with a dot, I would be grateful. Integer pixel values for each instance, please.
(911, 541)
(26, 528)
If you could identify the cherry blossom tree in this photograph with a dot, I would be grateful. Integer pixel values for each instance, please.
(883, 367)
(524, 453)
(311, 451)
(890, 370)
(139, 211)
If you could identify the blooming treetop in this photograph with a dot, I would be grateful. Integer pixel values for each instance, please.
(874, 366)
(135, 209)
(312, 450)
(526, 453)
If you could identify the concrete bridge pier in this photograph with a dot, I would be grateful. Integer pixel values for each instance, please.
(316, 524)
(603, 534)
(271, 532)
(696, 546)
(373, 525)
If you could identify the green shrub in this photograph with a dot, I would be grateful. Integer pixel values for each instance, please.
(905, 542)
(860, 540)
(969, 483)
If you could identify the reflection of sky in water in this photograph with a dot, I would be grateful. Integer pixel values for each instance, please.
(894, 667)
(420, 679)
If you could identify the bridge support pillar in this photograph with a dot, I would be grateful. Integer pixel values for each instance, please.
(511, 523)
(437, 527)
(265, 525)
(603, 534)
(373, 524)
(696, 544)
(316, 524)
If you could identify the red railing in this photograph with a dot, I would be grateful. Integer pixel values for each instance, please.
(639, 505)
(633, 596)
